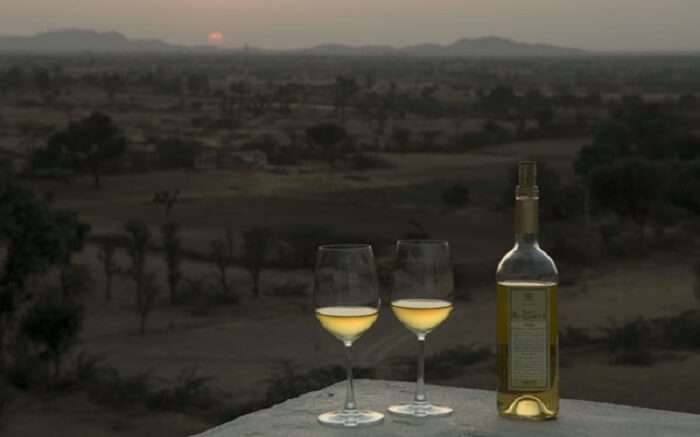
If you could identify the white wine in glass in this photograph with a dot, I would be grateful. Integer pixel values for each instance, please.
(421, 316)
(346, 301)
(422, 299)
(347, 323)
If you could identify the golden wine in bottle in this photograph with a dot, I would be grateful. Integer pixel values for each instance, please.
(527, 278)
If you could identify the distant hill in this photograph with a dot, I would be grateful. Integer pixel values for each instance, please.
(64, 41)
(485, 46)
(492, 46)
(345, 50)
(82, 40)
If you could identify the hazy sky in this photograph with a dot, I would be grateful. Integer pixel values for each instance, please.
(589, 24)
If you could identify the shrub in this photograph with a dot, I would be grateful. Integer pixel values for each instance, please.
(696, 285)
(191, 291)
(200, 121)
(567, 202)
(139, 161)
(110, 388)
(444, 364)
(608, 228)
(682, 330)
(86, 367)
(228, 413)
(5, 397)
(54, 323)
(573, 337)
(624, 240)
(23, 369)
(190, 389)
(472, 274)
(291, 288)
(326, 137)
(290, 383)
(76, 279)
(107, 387)
(452, 361)
(684, 186)
(628, 187)
(629, 342)
(174, 153)
(303, 241)
(463, 279)
(362, 161)
(456, 196)
(86, 146)
(573, 244)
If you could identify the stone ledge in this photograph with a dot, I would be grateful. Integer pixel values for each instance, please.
(475, 416)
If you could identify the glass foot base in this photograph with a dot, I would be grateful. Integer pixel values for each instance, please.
(420, 410)
(351, 418)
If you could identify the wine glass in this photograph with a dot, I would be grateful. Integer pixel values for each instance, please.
(346, 301)
(421, 299)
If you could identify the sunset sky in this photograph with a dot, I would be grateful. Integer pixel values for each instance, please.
(589, 24)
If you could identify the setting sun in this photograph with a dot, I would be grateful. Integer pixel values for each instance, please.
(216, 38)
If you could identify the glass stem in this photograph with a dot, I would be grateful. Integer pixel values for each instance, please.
(420, 382)
(350, 396)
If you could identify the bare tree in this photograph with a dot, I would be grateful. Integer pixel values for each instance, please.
(429, 137)
(106, 255)
(257, 242)
(172, 245)
(139, 238)
(222, 253)
(149, 292)
(345, 89)
(402, 139)
(696, 288)
(168, 199)
(111, 84)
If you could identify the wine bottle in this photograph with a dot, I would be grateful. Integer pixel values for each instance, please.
(527, 279)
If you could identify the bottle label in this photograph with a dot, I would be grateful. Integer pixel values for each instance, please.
(528, 338)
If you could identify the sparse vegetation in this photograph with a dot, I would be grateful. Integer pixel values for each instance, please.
(324, 157)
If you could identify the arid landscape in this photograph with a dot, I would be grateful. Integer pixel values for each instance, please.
(313, 149)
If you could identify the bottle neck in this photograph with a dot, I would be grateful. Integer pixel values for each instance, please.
(526, 220)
